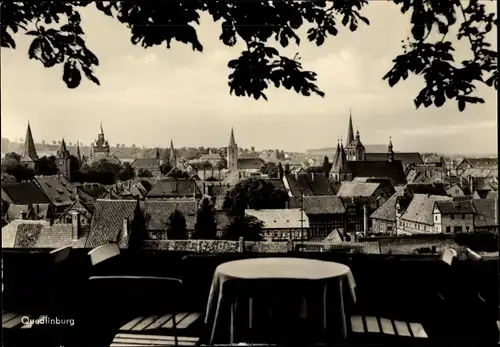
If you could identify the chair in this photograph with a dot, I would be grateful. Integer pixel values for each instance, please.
(137, 310)
(51, 287)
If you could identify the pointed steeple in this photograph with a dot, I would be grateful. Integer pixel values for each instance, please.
(343, 160)
(357, 135)
(29, 145)
(63, 150)
(232, 142)
(350, 131)
(336, 156)
(173, 156)
(102, 131)
(78, 154)
(390, 151)
(157, 153)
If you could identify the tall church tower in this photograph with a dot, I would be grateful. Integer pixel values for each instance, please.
(64, 161)
(232, 154)
(30, 157)
(172, 160)
(390, 151)
(354, 149)
(340, 169)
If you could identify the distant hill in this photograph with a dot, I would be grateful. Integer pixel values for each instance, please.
(330, 151)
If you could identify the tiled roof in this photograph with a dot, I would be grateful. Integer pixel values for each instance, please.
(276, 182)
(174, 188)
(309, 184)
(24, 193)
(250, 163)
(30, 234)
(59, 190)
(379, 169)
(107, 223)
(406, 158)
(314, 205)
(433, 189)
(85, 211)
(280, 218)
(452, 207)
(485, 213)
(157, 212)
(145, 163)
(95, 190)
(482, 162)
(357, 189)
(35, 211)
(480, 172)
(27, 235)
(387, 211)
(333, 237)
(421, 208)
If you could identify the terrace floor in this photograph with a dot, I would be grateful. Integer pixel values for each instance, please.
(401, 300)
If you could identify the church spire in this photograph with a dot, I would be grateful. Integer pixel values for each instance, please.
(173, 156)
(29, 145)
(337, 154)
(232, 142)
(390, 151)
(78, 155)
(63, 150)
(102, 131)
(350, 131)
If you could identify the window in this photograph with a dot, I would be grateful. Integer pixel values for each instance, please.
(452, 216)
(467, 228)
(457, 229)
(389, 227)
(448, 230)
(457, 192)
(435, 217)
(68, 220)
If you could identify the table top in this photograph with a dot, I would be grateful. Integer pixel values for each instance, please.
(282, 268)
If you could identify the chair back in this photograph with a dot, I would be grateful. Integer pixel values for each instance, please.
(449, 256)
(103, 253)
(471, 255)
(61, 254)
(114, 301)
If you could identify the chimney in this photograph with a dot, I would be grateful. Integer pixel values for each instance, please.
(75, 224)
(23, 214)
(241, 244)
(471, 184)
(296, 176)
(365, 220)
(125, 227)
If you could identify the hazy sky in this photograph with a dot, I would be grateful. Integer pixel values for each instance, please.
(148, 97)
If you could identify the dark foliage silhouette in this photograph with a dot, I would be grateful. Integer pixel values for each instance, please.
(206, 226)
(248, 227)
(177, 173)
(101, 171)
(12, 166)
(257, 22)
(316, 169)
(270, 169)
(126, 173)
(254, 193)
(326, 165)
(144, 173)
(176, 226)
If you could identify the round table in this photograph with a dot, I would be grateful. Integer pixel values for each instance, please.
(293, 271)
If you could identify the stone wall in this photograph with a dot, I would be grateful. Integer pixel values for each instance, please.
(223, 246)
(411, 244)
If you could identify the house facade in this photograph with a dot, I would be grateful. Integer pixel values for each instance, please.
(282, 224)
(453, 216)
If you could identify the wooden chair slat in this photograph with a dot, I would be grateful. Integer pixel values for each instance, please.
(145, 323)
(372, 324)
(132, 323)
(154, 337)
(418, 330)
(178, 318)
(188, 320)
(14, 322)
(402, 328)
(170, 343)
(8, 316)
(153, 342)
(159, 322)
(357, 324)
(498, 324)
(387, 327)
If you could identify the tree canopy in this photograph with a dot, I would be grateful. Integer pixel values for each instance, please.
(58, 38)
(256, 194)
(206, 226)
(248, 227)
(176, 226)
